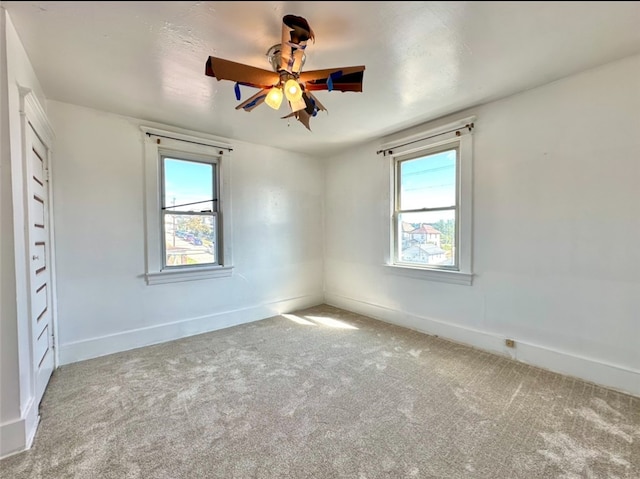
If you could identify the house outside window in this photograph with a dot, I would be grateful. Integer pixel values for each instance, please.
(430, 204)
(188, 207)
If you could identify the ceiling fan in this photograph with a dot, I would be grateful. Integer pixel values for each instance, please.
(287, 80)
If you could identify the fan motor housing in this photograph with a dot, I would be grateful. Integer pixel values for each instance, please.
(274, 57)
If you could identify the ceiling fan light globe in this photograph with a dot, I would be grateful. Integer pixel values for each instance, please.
(292, 90)
(274, 98)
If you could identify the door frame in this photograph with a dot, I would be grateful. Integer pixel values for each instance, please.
(32, 115)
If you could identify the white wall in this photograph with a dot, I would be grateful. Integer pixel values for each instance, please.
(556, 208)
(556, 232)
(104, 303)
(18, 413)
(8, 324)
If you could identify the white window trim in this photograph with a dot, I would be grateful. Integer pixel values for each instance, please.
(427, 140)
(186, 144)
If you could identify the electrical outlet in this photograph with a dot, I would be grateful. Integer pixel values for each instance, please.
(510, 343)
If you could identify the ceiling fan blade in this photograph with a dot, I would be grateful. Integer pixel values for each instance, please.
(341, 79)
(349, 82)
(302, 116)
(311, 109)
(313, 104)
(324, 74)
(257, 99)
(240, 73)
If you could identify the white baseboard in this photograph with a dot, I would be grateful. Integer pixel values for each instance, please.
(17, 436)
(137, 338)
(612, 376)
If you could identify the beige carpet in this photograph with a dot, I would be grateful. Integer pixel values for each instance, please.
(325, 394)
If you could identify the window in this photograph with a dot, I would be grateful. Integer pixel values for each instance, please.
(188, 222)
(426, 209)
(430, 202)
(189, 211)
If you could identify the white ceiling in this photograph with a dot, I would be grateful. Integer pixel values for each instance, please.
(423, 59)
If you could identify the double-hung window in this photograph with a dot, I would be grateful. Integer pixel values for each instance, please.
(189, 211)
(188, 222)
(430, 204)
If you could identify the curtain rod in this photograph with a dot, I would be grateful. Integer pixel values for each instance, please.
(469, 126)
(189, 141)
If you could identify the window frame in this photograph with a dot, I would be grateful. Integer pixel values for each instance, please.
(453, 135)
(159, 144)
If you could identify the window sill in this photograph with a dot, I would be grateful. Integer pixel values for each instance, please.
(453, 277)
(178, 275)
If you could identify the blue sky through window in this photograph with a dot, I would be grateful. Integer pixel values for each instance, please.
(188, 182)
(429, 181)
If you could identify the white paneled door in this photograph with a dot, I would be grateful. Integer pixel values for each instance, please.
(41, 316)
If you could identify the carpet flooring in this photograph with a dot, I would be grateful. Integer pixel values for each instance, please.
(325, 393)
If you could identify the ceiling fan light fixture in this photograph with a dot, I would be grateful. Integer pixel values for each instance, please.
(292, 90)
(274, 98)
(287, 80)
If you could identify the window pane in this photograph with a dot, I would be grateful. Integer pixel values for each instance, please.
(188, 185)
(429, 181)
(189, 239)
(427, 238)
